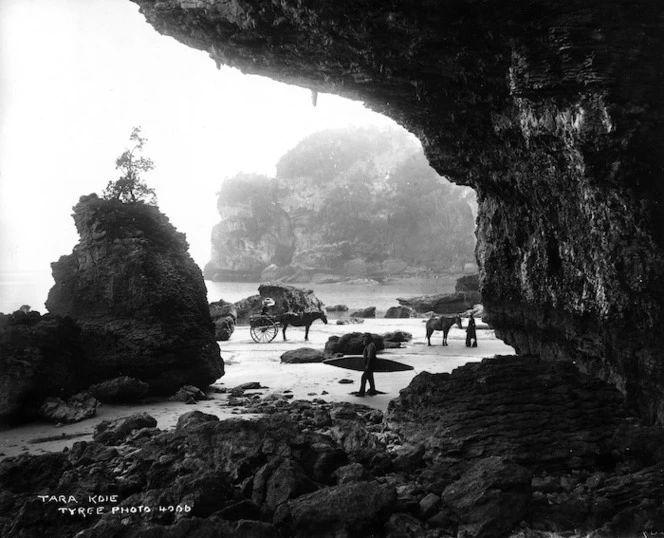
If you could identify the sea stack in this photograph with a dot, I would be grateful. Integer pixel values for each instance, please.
(138, 296)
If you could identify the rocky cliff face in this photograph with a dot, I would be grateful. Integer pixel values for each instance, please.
(138, 296)
(345, 203)
(254, 231)
(552, 111)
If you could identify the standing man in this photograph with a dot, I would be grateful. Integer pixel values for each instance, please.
(471, 335)
(369, 365)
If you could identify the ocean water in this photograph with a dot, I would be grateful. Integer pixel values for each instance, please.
(32, 287)
(25, 287)
(355, 296)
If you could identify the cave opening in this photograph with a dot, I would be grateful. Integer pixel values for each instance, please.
(535, 107)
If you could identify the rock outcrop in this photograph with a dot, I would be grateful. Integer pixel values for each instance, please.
(552, 112)
(443, 303)
(122, 389)
(542, 415)
(77, 408)
(224, 317)
(255, 231)
(400, 312)
(40, 357)
(348, 215)
(303, 355)
(321, 469)
(351, 344)
(138, 296)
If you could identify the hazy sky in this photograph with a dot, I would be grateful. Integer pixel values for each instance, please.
(77, 75)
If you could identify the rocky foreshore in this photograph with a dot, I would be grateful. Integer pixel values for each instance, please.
(460, 454)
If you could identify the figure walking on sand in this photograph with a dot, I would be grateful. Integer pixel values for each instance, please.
(369, 354)
(471, 335)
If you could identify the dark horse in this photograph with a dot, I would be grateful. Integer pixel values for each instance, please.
(300, 319)
(442, 324)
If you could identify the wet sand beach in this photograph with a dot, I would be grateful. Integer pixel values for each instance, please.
(247, 361)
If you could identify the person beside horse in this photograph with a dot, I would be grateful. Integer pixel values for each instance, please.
(471, 333)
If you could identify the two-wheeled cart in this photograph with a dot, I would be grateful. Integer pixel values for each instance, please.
(262, 328)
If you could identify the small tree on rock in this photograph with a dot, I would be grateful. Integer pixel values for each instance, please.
(130, 186)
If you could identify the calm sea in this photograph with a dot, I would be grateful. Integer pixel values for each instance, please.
(27, 287)
(354, 296)
(31, 288)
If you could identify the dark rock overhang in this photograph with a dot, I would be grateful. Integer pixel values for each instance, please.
(551, 111)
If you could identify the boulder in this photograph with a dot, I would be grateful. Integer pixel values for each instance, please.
(247, 307)
(138, 296)
(445, 303)
(489, 499)
(122, 389)
(115, 432)
(474, 413)
(224, 328)
(40, 356)
(353, 472)
(347, 509)
(350, 321)
(337, 308)
(408, 458)
(397, 336)
(429, 505)
(302, 355)
(188, 394)
(77, 408)
(351, 344)
(194, 418)
(224, 317)
(402, 525)
(222, 309)
(369, 312)
(299, 299)
(277, 482)
(400, 312)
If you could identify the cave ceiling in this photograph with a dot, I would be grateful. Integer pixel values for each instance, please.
(551, 111)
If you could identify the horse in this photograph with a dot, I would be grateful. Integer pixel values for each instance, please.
(300, 319)
(442, 324)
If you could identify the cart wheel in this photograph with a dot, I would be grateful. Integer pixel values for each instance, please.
(263, 331)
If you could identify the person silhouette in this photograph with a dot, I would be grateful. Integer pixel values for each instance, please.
(267, 303)
(471, 334)
(369, 354)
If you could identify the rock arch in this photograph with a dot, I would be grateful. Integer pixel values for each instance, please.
(551, 111)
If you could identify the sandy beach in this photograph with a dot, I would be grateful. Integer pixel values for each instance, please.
(247, 361)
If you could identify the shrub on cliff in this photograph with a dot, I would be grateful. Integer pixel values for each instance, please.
(130, 186)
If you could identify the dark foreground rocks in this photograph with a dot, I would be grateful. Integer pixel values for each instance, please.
(476, 463)
(40, 357)
(138, 297)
